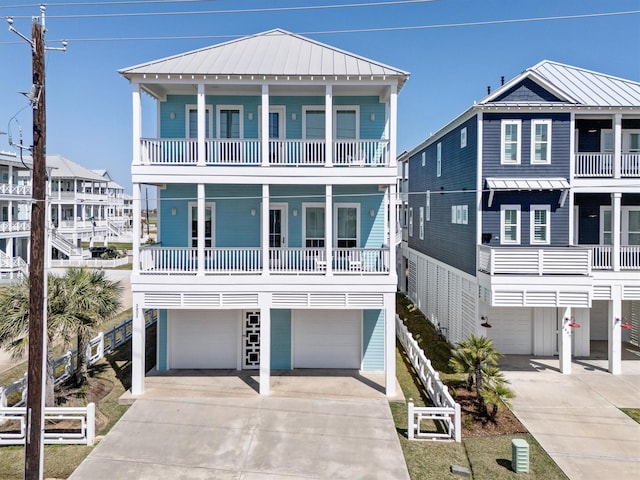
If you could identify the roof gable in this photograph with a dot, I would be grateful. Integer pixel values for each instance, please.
(275, 52)
(527, 91)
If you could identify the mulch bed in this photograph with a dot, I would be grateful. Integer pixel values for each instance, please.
(474, 424)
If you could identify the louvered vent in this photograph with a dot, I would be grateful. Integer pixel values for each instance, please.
(161, 300)
(289, 300)
(631, 292)
(240, 300)
(201, 299)
(574, 299)
(328, 300)
(541, 299)
(366, 300)
(601, 292)
(515, 299)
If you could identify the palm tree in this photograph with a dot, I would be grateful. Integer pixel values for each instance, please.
(76, 303)
(471, 356)
(495, 390)
(90, 299)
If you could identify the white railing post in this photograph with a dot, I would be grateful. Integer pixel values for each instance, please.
(91, 423)
(457, 423)
(410, 420)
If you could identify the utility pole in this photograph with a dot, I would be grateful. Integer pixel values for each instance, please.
(37, 364)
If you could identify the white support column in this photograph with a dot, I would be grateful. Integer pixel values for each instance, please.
(137, 122)
(137, 227)
(264, 126)
(328, 126)
(616, 226)
(392, 229)
(265, 345)
(202, 124)
(390, 343)
(614, 323)
(265, 229)
(137, 346)
(201, 227)
(564, 341)
(328, 229)
(617, 145)
(392, 123)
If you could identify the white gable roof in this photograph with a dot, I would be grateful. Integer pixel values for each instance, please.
(65, 168)
(578, 86)
(272, 53)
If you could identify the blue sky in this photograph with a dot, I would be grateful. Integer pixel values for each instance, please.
(89, 103)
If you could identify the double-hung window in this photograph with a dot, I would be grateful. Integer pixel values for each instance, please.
(510, 139)
(439, 159)
(540, 224)
(314, 222)
(510, 224)
(346, 231)
(541, 141)
(411, 221)
(428, 207)
(421, 223)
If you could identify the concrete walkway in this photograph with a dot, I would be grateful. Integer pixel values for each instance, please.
(236, 434)
(576, 418)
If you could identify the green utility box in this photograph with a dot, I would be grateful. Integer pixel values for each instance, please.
(519, 455)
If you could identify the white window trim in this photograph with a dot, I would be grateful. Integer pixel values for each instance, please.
(503, 209)
(240, 108)
(532, 239)
(310, 108)
(424, 158)
(503, 123)
(428, 206)
(624, 234)
(421, 231)
(411, 221)
(335, 221)
(282, 124)
(211, 205)
(208, 113)
(463, 137)
(306, 205)
(548, 123)
(439, 159)
(603, 135)
(601, 230)
(355, 108)
(626, 140)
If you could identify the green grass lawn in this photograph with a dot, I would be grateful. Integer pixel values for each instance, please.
(633, 413)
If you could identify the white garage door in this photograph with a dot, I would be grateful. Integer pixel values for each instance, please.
(511, 330)
(327, 339)
(203, 339)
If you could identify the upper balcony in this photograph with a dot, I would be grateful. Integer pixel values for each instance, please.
(248, 152)
(603, 165)
(11, 190)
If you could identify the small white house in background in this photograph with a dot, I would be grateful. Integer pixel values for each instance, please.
(275, 162)
(524, 214)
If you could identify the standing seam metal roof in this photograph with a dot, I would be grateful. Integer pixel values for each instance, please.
(275, 52)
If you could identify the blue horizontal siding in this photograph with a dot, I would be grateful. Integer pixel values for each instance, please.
(280, 339)
(373, 340)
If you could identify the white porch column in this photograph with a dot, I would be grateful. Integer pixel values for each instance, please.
(614, 323)
(137, 122)
(392, 229)
(202, 124)
(390, 344)
(264, 126)
(328, 126)
(564, 341)
(201, 227)
(137, 219)
(265, 345)
(328, 229)
(265, 229)
(392, 123)
(137, 346)
(617, 145)
(616, 226)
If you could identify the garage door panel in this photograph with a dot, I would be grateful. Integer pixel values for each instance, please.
(511, 330)
(203, 339)
(327, 339)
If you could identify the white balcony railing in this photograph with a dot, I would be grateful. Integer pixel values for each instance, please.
(603, 165)
(289, 152)
(6, 189)
(184, 260)
(603, 257)
(534, 261)
(15, 226)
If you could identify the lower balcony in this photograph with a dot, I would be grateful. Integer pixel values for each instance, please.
(534, 261)
(241, 261)
(629, 258)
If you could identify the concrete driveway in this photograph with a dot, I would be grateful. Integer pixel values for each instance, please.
(240, 435)
(576, 418)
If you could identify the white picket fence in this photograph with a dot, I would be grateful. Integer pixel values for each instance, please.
(62, 425)
(64, 367)
(446, 411)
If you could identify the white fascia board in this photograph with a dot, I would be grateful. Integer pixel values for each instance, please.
(533, 77)
(604, 185)
(459, 120)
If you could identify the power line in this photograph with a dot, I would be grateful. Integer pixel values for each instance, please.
(241, 10)
(103, 4)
